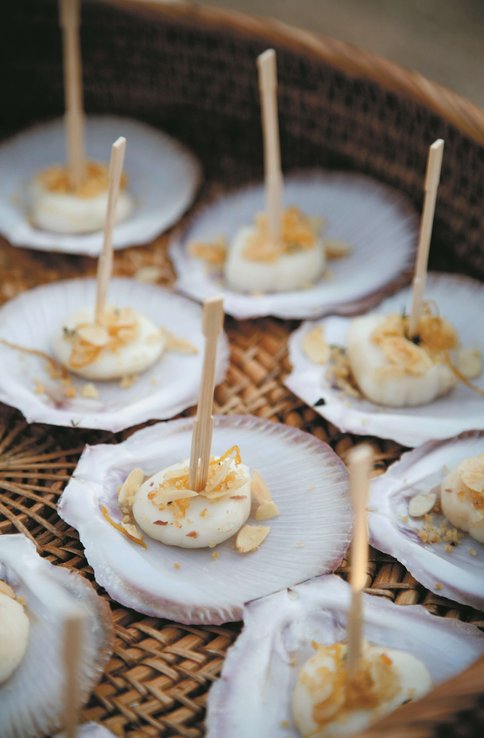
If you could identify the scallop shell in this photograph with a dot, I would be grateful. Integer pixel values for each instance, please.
(460, 300)
(163, 177)
(32, 699)
(457, 575)
(253, 695)
(357, 209)
(307, 480)
(164, 390)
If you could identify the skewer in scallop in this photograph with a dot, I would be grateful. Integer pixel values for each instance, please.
(282, 251)
(205, 501)
(401, 361)
(362, 681)
(104, 342)
(72, 198)
(73, 635)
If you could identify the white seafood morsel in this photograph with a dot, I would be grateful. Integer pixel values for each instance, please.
(162, 179)
(70, 212)
(396, 677)
(462, 496)
(14, 634)
(356, 209)
(290, 271)
(459, 299)
(387, 384)
(33, 320)
(129, 357)
(309, 485)
(205, 523)
(31, 706)
(253, 696)
(422, 544)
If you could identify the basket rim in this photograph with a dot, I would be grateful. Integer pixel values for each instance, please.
(457, 110)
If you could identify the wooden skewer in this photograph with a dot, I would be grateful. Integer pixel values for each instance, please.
(360, 465)
(72, 650)
(213, 316)
(432, 178)
(74, 117)
(105, 263)
(266, 64)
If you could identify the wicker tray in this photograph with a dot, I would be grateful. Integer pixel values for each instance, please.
(339, 107)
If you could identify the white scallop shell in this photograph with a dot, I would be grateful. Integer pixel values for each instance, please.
(308, 483)
(164, 390)
(458, 575)
(163, 177)
(253, 695)
(461, 301)
(360, 211)
(32, 699)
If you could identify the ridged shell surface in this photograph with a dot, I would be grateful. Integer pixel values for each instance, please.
(456, 572)
(163, 177)
(461, 301)
(32, 699)
(308, 483)
(165, 389)
(253, 695)
(358, 210)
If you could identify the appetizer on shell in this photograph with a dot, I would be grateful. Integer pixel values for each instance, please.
(255, 694)
(419, 510)
(36, 597)
(162, 177)
(31, 328)
(308, 535)
(322, 375)
(357, 217)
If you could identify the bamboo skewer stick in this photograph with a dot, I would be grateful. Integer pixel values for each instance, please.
(74, 116)
(360, 465)
(72, 650)
(432, 178)
(266, 64)
(105, 263)
(213, 315)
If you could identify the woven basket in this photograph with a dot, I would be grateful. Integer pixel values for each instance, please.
(191, 71)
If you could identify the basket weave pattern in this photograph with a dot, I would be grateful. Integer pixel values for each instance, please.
(193, 73)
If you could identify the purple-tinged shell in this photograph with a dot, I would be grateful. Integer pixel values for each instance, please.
(32, 699)
(163, 177)
(308, 482)
(253, 695)
(164, 390)
(460, 300)
(456, 574)
(358, 210)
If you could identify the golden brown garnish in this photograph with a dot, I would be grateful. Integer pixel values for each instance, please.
(96, 180)
(119, 326)
(127, 529)
(298, 234)
(214, 253)
(314, 346)
(250, 537)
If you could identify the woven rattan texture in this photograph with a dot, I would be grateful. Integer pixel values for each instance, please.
(199, 83)
(157, 681)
